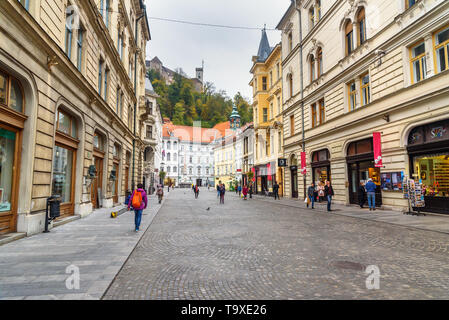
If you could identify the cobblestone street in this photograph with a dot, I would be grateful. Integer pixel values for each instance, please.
(258, 250)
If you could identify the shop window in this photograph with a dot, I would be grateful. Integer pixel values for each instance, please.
(66, 124)
(11, 93)
(63, 162)
(352, 96)
(7, 152)
(418, 62)
(442, 49)
(365, 89)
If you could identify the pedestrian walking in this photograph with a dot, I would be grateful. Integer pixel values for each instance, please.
(218, 189)
(370, 188)
(239, 189)
(362, 194)
(276, 191)
(251, 191)
(222, 193)
(160, 192)
(139, 202)
(311, 194)
(320, 192)
(329, 193)
(245, 192)
(197, 191)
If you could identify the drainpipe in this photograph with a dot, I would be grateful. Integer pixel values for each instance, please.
(135, 103)
(302, 88)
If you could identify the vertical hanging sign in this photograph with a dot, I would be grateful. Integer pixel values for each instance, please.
(377, 146)
(303, 163)
(254, 173)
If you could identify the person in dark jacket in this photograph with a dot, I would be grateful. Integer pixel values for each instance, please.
(143, 205)
(328, 193)
(311, 194)
(197, 191)
(276, 191)
(222, 193)
(371, 192)
(361, 195)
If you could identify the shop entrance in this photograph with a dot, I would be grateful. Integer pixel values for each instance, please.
(294, 181)
(199, 182)
(361, 167)
(96, 187)
(428, 148)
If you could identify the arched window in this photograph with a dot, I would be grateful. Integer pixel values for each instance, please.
(312, 68)
(349, 42)
(168, 156)
(11, 92)
(361, 24)
(320, 61)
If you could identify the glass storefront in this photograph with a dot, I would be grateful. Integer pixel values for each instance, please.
(62, 174)
(321, 175)
(433, 171)
(7, 151)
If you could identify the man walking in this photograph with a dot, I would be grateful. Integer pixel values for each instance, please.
(160, 192)
(371, 192)
(197, 191)
(139, 202)
(311, 194)
(222, 193)
(328, 192)
(218, 189)
(276, 191)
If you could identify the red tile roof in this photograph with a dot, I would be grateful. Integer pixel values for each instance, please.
(195, 134)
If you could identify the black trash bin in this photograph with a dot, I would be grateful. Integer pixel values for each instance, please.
(53, 210)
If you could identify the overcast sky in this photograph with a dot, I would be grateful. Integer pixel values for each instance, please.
(226, 52)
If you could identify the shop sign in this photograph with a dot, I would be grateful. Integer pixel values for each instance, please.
(282, 162)
(377, 146)
(303, 163)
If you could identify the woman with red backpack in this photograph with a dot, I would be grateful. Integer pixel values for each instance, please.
(139, 202)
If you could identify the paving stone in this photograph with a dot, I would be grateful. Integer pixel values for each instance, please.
(260, 249)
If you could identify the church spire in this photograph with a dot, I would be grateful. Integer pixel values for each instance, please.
(264, 47)
(235, 118)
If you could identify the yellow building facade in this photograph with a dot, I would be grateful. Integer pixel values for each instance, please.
(267, 111)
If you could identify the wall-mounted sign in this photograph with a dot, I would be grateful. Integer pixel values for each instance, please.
(282, 162)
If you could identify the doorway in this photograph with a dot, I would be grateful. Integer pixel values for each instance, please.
(97, 184)
(294, 176)
(360, 172)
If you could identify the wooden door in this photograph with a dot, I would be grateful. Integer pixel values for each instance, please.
(97, 183)
(294, 183)
(10, 142)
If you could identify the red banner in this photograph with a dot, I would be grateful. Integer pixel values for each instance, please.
(303, 163)
(377, 146)
(269, 171)
(254, 173)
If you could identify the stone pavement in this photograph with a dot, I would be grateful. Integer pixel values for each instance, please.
(35, 267)
(258, 250)
(431, 222)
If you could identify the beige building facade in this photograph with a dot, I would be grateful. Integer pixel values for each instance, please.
(367, 66)
(71, 80)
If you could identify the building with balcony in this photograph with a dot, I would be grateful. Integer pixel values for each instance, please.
(71, 82)
(385, 70)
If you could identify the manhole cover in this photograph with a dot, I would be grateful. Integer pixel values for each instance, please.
(349, 265)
